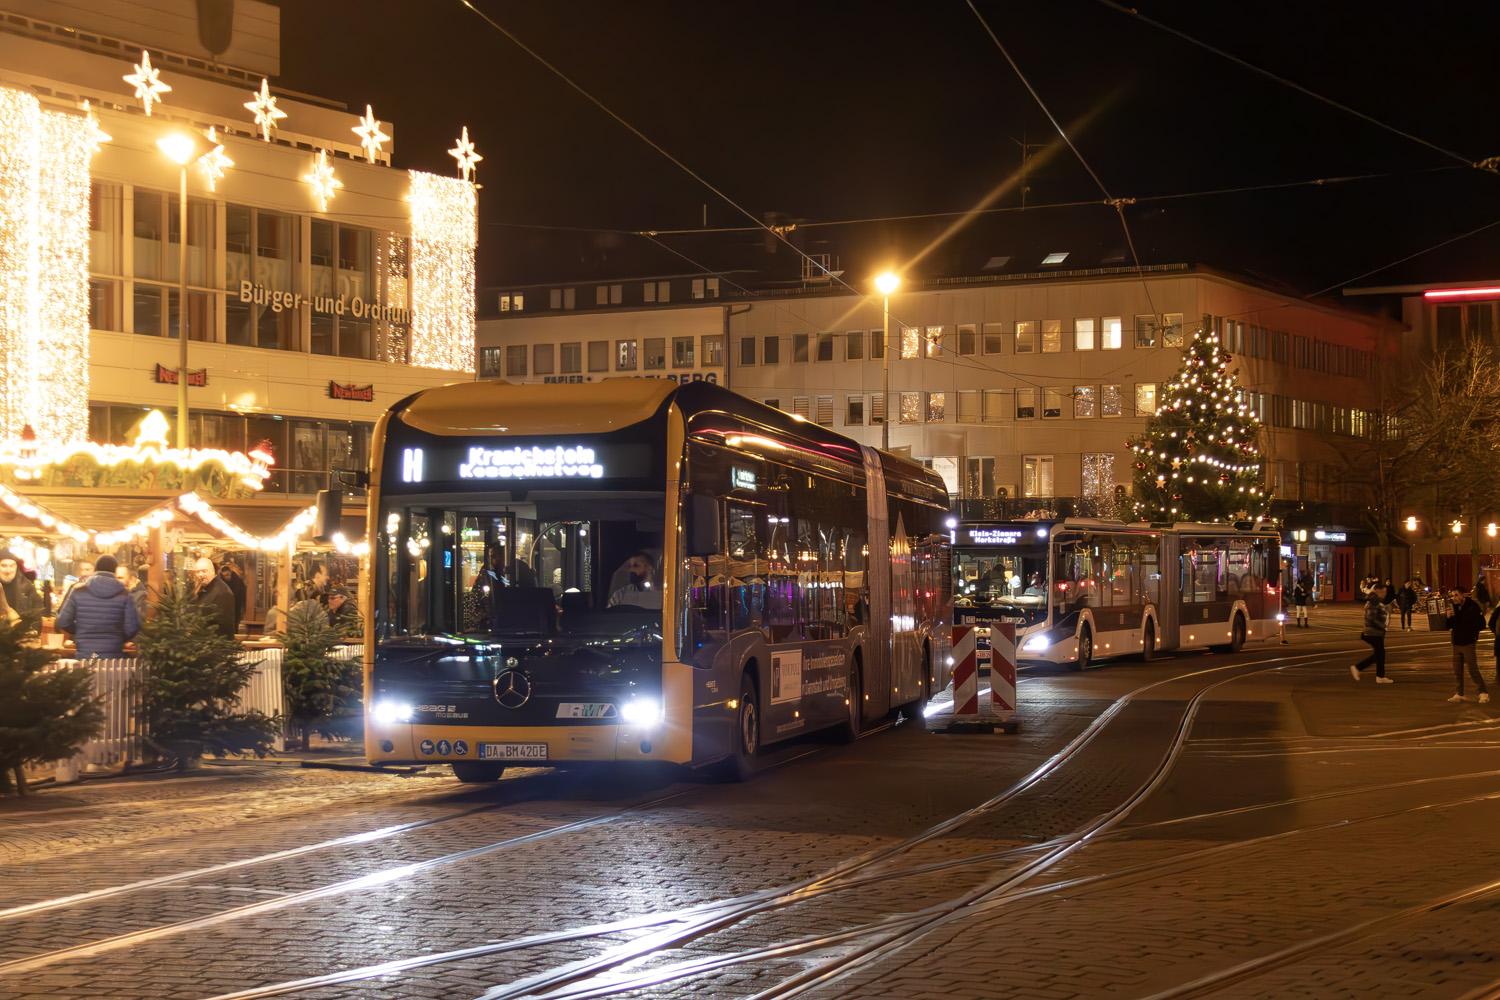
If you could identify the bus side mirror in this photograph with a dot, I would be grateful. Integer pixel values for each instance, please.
(702, 525)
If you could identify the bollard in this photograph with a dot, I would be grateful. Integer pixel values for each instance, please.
(1003, 670)
(965, 674)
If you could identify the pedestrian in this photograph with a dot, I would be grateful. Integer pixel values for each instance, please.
(1377, 612)
(99, 614)
(1390, 593)
(1406, 600)
(1464, 624)
(20, 595)
(1494, 624)
(229, 572)
(213, 598)
(1301, 597)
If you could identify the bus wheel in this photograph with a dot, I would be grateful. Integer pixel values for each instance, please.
(474, 772)
(1237, 634)
(1148, 641)
(915, 710)
(746, 732)
(1085, 648)
(848, 730)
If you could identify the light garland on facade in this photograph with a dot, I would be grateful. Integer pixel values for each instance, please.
(263, 105)
(100, 136)
(465, 155)
(44, 187)
(147, 82)
(444, 227)
(213, 162)
(322, 180)
(370, 136)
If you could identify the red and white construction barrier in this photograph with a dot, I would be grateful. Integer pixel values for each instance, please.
(1003, 669)
(965, 674)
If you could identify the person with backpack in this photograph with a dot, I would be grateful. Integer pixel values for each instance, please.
(100, 613)
(1377, 612)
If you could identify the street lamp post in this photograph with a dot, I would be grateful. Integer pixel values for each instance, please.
(886, 283)
(181, 148)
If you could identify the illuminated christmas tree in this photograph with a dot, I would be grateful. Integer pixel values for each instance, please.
(1198, 459)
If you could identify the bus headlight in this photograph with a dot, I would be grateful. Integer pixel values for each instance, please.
(1035, 644)
(641, 712)
(1281, 616)
(388, 712)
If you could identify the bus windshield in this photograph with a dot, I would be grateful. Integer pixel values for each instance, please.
(1014, 577)
(576, 565)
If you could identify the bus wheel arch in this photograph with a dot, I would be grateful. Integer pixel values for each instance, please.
(854, 718)
(1148, 639)
(747, 728)
(1085, 646)
(475, 772)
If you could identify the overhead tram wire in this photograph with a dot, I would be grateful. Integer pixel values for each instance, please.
(1121, 8)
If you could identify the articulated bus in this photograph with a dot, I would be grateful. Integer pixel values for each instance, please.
(1079, 589)
(636, 570)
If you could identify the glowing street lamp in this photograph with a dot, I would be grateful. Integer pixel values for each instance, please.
(886, 284)
(182, 148)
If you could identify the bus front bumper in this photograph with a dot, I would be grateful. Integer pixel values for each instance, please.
(529, 746)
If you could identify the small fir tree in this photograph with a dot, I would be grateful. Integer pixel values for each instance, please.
(190, 685)
(1198, 459)
(317, 685)
(44, 713)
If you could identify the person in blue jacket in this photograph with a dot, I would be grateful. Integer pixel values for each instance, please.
(100, 613)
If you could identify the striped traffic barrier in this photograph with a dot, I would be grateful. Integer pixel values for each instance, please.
(965, 674)
(1002, 669)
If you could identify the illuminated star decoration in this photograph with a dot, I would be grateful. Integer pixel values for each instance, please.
(266, 111)
(371, 138)
(100, 136)
(465, 155)
(214, 161)
(322, 180)
(147, 82)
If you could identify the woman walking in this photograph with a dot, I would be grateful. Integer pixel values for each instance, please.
(1376, 613)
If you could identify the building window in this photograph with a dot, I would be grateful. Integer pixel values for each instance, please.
(663, 291)
(601, 295)
(825, 411)
(624, 355)
(515, 360)
(1098, 475)
(616, 295)
(825, 347)
(259, 247)
(771, 351)
(1025, 405)
(1145, 398)
(994, 338)
(854, 345)
(877, 408)
(1145, 331)
(1083, 335)
(342, 268)
(1026, 337)
(1085, 401)
(877, 344)
(489, 362)
(1051, 336)
(747, 350)
(800, 407)
(967, 335)
(1109, 333)
(1036, 474)
(713, 288)
(1052, 403)
(968, 406)
(854, 412)
(994, 405)
(979, 477)
(911, 343)
(656, 354)
(934, 342)
(648, 292)
(937, 405)
(713, 351)
(571, 357)
(1171, 330)
(1111, 401)
(799, 348)
(554, 299)
(541, 359)
(697, 288)
(570, 298)
(598, 355)
(683, 352)
(911, 407)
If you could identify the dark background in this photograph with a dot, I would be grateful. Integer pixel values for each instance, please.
(826, 112)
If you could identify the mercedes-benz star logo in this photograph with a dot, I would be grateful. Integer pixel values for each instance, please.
(512, 689)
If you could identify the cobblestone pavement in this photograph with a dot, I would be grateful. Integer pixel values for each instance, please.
(1310, 836)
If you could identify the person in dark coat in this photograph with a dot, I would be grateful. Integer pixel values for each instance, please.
(213, 598)
(130, 579)
(1465, 623)
(1377, 612)
(1302, 597)
(20, 593)
(1406, 601)
(230, 574)
(342, 613)
(100, 614)
(1495, 627)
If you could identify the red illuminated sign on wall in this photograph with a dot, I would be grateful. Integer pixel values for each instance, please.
(168, 376)
(357, 393)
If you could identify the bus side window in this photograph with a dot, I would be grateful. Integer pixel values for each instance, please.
(745, 568)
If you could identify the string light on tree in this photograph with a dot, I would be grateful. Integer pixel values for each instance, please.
(147, 82)
(214, 161)
(323, 182)
(370, 136)
(465, 155)
(265, 110)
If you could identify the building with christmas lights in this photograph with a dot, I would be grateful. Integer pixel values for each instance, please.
(1019, 385)
(315, 283)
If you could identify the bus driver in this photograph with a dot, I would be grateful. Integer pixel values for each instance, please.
(638, 589)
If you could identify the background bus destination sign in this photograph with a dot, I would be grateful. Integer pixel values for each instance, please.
(561, 462)
(991, 536)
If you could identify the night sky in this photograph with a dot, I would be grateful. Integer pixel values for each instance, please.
(830, 112)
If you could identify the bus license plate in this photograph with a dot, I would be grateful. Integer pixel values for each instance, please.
(512, 751)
